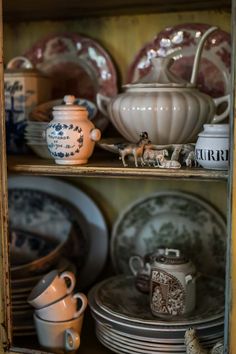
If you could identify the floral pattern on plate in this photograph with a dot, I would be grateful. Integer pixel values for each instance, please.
(214, 71)
(174, 220)
(118, 296)
(77, 65)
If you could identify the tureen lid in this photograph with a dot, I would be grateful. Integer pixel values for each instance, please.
(69, 105)
(172, 256)
(160, 76)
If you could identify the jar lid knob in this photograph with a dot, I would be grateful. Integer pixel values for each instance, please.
(69, 99)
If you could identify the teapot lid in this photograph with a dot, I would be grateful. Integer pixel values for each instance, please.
(69, 105)
(171, 256)
(160, 76)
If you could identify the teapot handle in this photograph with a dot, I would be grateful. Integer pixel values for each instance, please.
(219, 117)
(135, 264)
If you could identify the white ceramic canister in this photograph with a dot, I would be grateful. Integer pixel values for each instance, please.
(71, 136)
(212, 147)
(172, 284)
(24, 88)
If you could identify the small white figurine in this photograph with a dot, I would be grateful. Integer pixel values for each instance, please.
(169, 164)
(193, 346)
(191, 159)
(152, 156)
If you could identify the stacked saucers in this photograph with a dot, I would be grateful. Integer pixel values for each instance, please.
(35, 138)
(125, 324)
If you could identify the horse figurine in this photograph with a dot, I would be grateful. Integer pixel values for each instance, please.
(126, 149)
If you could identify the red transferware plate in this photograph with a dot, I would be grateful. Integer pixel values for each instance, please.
(214, 71)
(78, 66)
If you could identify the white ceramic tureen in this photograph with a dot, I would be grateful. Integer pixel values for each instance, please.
(169, 109)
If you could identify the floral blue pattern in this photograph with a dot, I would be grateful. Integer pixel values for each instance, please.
(58, 132)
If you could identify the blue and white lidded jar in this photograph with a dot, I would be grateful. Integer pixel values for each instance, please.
(71, 136)
(24, 88)
(212, 147)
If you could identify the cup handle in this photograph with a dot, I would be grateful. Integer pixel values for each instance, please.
(72, 339)
(71, 277)
(219, 117)
(134, 260)
(84, 302)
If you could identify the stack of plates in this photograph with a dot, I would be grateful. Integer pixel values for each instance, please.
(125, 324)
(35, 138)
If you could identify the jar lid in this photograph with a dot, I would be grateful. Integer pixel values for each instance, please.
(22, 65)
(69, 105)
(160, 76)
(215, 130)
(171, 256)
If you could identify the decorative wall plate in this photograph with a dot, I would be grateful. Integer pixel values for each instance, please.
(214, 71)
(37, 213)
(77, 65)
(118, 296)
(175, 220)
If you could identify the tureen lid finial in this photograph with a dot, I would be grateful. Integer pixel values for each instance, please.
(159, 75)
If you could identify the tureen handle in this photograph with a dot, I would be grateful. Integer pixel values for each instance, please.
(102, 103)
(219, 117)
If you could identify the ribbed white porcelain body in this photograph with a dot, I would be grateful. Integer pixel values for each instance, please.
(169, 116)
(212, 147)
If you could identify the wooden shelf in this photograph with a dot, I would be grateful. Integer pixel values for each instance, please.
(106, 165)
(15, 10)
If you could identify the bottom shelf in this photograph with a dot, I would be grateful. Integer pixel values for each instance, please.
(89, 342)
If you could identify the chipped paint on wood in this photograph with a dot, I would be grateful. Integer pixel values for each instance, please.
(5, 328)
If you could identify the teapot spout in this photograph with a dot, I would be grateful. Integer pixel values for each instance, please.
(196, 62)
(102, 103)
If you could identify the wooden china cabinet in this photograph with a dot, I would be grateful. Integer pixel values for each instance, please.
(122, 27)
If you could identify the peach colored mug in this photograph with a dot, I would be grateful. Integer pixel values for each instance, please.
(51, 288)
(64, 309)
(59, 337)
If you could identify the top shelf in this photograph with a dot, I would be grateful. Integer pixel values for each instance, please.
(15, 10)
